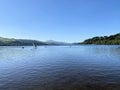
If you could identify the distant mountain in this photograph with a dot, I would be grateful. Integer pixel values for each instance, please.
(27, 42)
(106, 40)
(19, 42)
(52, 42)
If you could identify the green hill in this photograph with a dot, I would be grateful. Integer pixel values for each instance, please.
(104, 40)
(19, 42)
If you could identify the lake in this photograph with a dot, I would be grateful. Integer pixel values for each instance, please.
(84, 67)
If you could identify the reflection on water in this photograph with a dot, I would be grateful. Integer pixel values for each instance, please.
(60, 68)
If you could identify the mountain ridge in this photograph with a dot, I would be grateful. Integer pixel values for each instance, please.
(104, 40)
(98, 40)
(19, 42)
(27, 42)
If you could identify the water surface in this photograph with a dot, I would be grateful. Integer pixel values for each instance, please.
(89, 67)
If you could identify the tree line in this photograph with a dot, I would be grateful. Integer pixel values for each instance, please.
(104, 40)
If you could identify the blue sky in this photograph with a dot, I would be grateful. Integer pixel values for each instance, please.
(62, 20)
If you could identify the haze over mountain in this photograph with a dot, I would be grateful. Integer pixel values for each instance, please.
(52, 42)
(19, 42)
(27, 42)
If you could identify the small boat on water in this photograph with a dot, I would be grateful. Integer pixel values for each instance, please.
(35, 45)
(70, 46)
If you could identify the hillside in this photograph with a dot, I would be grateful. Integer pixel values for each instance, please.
(52, 42)
(19, 42)
(104, 40)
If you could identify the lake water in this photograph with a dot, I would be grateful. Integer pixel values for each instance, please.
(89, 67)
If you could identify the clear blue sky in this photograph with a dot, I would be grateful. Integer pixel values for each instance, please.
(62, 20)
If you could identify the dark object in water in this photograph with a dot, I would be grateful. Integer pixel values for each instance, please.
(22, 47)
(70, 46)
(35, 45)
(118, 47)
